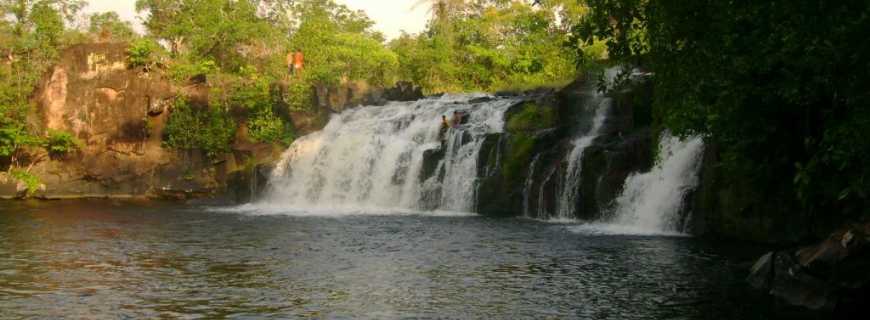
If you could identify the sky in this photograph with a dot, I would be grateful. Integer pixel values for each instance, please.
(391, 16)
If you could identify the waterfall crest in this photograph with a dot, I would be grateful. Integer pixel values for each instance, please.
(376, 157)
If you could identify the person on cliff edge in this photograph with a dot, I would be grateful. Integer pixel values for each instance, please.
(298, 62)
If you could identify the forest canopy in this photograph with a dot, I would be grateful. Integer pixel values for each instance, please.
(781, 88)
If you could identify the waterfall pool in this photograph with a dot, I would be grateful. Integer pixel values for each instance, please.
(110, 259)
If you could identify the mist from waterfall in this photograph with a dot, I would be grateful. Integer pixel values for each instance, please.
(372, 158)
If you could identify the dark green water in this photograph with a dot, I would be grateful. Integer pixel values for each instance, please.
(145, 260)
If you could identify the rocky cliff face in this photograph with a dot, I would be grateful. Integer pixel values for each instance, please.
(119, 115)
(523, 167)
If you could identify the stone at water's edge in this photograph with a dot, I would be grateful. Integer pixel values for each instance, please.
(248, 184)
(832, 275)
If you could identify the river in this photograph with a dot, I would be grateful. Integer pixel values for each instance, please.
(112, 259)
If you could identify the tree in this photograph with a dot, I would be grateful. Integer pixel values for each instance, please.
(488, 45)
(108, 26)
(30, 33)
(340, 45)
(442, 12)
(780, 86)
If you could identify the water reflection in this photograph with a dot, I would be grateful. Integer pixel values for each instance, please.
(146, 260)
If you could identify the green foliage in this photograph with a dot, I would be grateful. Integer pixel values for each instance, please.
(212, 30)
(264, 126)
(489, 46)
(109, 26)
(339, 46)
(29, 180)
(188, 128)
(143, 53)
(182, 70)
(13, 137)
(518, 156)
(59, 143)
(299, 96)
(255, 97)
(780, 86)
(47, 22)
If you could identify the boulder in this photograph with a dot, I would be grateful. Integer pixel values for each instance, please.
(832, 275)
(403, 91)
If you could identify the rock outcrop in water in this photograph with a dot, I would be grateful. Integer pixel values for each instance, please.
(831, 275)
(524, 168)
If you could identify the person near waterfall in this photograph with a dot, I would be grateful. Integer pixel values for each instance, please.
(444, 126)
(457, 118)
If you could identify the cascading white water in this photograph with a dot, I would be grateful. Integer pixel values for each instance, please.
(652, 202)
(373, 157)
(527, 186)
(568, 191)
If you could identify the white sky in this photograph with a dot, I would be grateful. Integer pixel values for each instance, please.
(391, 16)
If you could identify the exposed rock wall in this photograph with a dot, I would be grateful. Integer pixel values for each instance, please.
(119, 114)
(523, 168)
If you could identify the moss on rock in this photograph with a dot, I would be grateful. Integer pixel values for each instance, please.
(531, 117)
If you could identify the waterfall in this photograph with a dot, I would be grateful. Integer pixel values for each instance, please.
(567, 198)
(652, 202)
(375, 157)
(568, 188)
(527, 186)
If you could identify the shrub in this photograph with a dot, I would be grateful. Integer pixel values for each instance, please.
(183, 70)
(212, 131)
(30, 181)
(264, 126)
(59, 143)
(143, 53)
(299, 97)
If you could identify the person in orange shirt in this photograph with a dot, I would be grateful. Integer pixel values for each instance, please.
(298, 62)
(289, 60)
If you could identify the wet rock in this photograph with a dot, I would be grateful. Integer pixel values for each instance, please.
(248, 184)
(403, 91)
(832, 275)
(480, 100)
(431, 158)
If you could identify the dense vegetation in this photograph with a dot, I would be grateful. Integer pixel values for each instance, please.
(491, 45)
(780, 87)
(31, 34)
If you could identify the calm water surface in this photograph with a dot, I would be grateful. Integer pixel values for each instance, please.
(142, 260)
